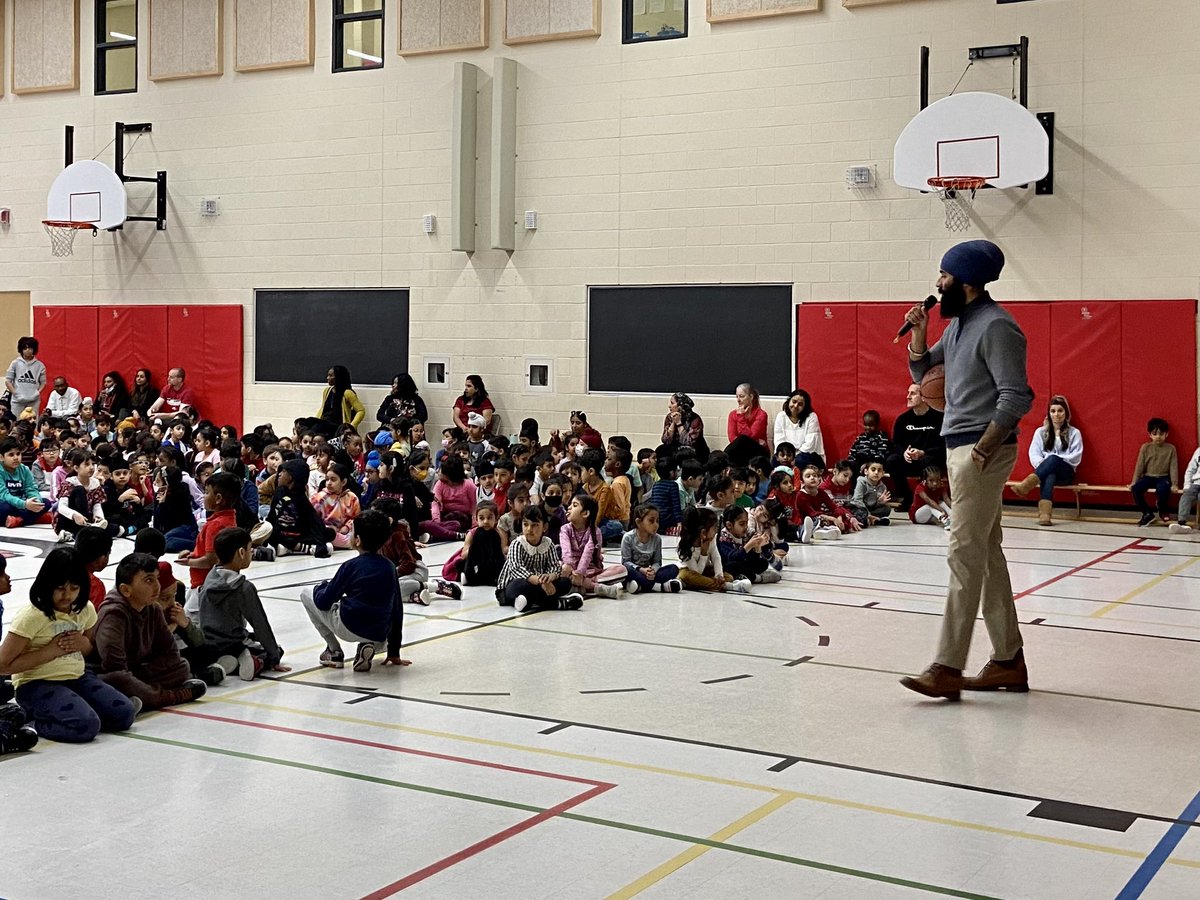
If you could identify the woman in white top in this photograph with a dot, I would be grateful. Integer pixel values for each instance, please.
(1055, 453)
(798, 425)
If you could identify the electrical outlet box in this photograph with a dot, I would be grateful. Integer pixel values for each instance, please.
(210, 207)
(860, 177)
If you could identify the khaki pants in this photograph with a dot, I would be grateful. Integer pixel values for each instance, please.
(978, 569)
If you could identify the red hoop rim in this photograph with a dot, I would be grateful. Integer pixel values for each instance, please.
(958, 183)
(78, 226)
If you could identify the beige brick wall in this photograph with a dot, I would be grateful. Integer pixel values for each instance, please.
(717, 158)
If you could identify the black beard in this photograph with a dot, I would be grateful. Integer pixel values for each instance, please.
(954, 301)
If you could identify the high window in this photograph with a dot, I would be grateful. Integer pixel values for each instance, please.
(653, 20)
(357, 35)
(116, 46)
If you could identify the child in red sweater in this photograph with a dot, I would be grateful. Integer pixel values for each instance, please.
(821, 515)
(839, 486)
(221, 494)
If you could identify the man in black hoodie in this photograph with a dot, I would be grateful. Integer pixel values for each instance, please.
(229, 601)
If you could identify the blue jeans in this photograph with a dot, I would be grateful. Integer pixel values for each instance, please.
(74, 711)
(662, 576)
(27, 517)
(1160, 484)
(1054, 471)
(182, 537)
(611, 530)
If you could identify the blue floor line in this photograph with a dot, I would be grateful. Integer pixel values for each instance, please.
(1166, 845)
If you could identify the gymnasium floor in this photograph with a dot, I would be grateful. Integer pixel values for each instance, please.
(689, 745)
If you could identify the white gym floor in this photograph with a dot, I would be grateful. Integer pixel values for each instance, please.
(689, 745)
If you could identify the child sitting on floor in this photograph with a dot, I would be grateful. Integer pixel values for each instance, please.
(360, 603)
(337, 504)
(229, 602)
(81, 498)
(743, 556)
(641, 555)
(583, 550)
(534, 577)
(136, 650)
(412, 575)
(49, 462)
(665, 495)
(294, 522)
(820, 515)
(44, 649)
(482, 555)
(839, 485)
(20, 501)
(764, 519)
(516, 503)
(932, 505)
(453, 507)
(702, 569)
(869, 502)
(94, 546)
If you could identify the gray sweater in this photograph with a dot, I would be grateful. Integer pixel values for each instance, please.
(984, 354)
(635, 553)
(28, 379)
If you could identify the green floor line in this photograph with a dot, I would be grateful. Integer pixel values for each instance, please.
(603, 637)
(589, 820)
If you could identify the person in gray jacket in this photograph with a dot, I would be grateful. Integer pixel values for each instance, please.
(26, 377)
(987, 393)
(229, 601)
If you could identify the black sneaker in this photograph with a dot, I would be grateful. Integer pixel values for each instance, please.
(363, 657)
(449, 589)
(332, 660)
(571, 601)
(20, 740)
(321, 551)
(12, 715)
(263, 554)
(195, 687)
(7, 692)
(1145, 520)
(213, 675)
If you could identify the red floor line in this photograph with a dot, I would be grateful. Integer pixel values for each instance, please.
(1070, 572)
(392, 747)
(442, 864)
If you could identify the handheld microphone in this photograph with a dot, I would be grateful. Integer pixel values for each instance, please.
(930, 303)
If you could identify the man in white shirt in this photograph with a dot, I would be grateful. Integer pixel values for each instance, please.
(64, 400)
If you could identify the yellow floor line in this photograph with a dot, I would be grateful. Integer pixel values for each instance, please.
(713, 779)
(697, 850)
(1152, 583)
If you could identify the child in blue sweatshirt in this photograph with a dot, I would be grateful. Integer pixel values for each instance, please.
(358, 604)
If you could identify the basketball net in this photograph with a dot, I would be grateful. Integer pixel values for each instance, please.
(958, 198)
(62, 235)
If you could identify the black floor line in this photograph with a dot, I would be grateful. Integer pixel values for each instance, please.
(554, 729)
(632, 690)
(728, 678)
(473, 694)
(781, 757)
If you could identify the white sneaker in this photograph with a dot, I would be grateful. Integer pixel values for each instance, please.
(828, 533)
(633, 587)
(281, 551)
(611, 591)
(806, 530)
(739, 586)
(1179, 528)
(520, 603)
(65, 537)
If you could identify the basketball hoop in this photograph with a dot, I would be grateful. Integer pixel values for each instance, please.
(62, 235)
(957, 195)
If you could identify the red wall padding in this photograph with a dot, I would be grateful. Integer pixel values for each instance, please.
(1158, 367)
(829, 346)
(1118, 362)
(84, 342)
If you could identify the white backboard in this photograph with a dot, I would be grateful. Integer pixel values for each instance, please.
(972, 134)
(88, 191)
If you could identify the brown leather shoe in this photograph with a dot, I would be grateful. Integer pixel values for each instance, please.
(936, 681)
(995, 676)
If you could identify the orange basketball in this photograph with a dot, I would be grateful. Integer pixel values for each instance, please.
(933, 388)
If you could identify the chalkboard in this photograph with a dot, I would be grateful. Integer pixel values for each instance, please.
(701, 339)
(299, 334)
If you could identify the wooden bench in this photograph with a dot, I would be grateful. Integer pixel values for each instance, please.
(1083, 488)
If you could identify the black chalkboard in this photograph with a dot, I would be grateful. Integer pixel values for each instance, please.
(299, 334)
(700, 339)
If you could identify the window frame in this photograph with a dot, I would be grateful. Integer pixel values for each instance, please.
(627, 26)
(341, 19)
(103, 46)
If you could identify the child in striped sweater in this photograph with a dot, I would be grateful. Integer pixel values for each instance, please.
(533, 577)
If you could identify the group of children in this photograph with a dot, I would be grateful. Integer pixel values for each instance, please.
(533, 521)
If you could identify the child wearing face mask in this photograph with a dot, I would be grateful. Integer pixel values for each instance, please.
(554, 493)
